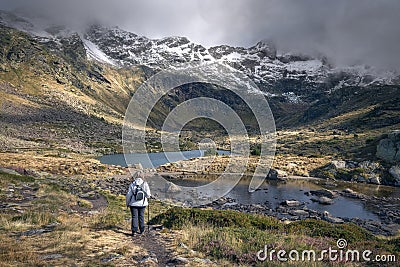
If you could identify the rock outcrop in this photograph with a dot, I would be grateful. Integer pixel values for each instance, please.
(388, 148)
(395, 172)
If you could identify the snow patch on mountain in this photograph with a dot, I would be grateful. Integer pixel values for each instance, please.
(309, 66)
(292, 97)
(234, 56)
(95, 53)
(292, 75)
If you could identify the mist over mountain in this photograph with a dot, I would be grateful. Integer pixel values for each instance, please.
(361, 32)
(328, 156)
(293, 82)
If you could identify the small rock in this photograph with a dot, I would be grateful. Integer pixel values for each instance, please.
(349, 191)
(183, 245)
(291, 203)
(93, 212)
(299, 213)
(34, 232)
(52, 225)
(149, 259)
(324, 192)
(111, 257)
(205, 261)
(323, 200)
(229, 204)
(351, 164)
(179, 260)
(51, 256)
(275, 174)
(374, 179)
(361, 179)
(329, 218)
(338, 164)
(395, 172)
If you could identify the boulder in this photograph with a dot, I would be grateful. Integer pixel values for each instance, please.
(395, 172)
(374, 179)
(349, 191)
(361, 179)
(275, 174)
(329, 218)
(179, 260)
(323, 192)
(291, 203)
(388, 148)
(230, 204)
(338, 164)
(301, 213)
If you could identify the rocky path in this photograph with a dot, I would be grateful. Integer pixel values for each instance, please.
(114, 246)
(158, 248)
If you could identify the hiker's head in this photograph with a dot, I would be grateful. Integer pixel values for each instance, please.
(138, 174)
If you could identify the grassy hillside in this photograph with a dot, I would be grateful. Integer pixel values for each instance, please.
(58, 97)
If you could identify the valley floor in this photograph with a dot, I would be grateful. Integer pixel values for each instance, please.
(69, 210)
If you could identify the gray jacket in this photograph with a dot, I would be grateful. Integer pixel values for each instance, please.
(130, 198)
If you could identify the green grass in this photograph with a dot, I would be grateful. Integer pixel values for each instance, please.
(8, 178)
(236, 236)
(176, 218)
(114, 214)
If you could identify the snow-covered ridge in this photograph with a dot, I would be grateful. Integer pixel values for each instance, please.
(95, 53)
(286, 75)
(130, 49)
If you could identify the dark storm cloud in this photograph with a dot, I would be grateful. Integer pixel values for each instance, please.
(347, 31)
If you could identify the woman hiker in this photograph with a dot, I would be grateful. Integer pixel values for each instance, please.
(137, 201)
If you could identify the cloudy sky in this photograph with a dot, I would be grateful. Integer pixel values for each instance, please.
(347, 31)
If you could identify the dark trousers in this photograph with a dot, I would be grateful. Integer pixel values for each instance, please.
(137, 218)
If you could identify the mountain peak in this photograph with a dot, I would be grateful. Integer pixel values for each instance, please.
(265, 49)
(260, 62)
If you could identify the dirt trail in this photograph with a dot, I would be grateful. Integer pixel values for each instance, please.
(151, 248)
(155, 245)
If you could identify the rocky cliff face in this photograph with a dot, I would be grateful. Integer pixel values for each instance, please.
(50, 90)
(95, 71)
(293, 78)
(289, 77)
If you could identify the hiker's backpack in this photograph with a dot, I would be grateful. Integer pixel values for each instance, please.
(138, 193)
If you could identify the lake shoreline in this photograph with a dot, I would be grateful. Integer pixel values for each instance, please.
(385, 210)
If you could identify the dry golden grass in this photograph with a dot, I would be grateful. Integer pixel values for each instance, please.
(49, 161)
(73, 240)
